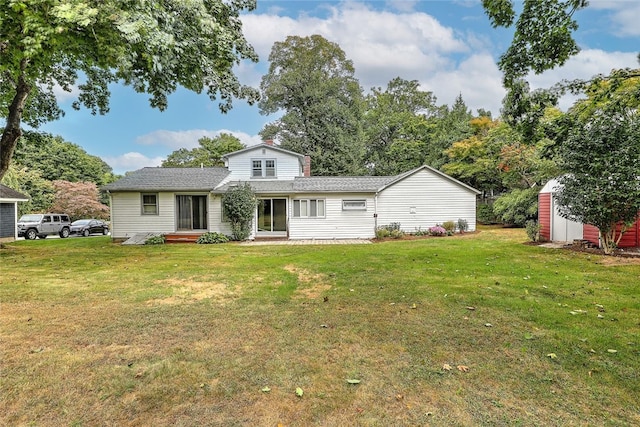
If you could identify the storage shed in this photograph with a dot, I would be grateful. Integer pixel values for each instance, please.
(555, 228)
(9, 199)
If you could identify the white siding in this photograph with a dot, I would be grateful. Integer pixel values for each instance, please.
(287, 165)
(215, 216)
(337, 224)
(434, 198)
(127, 218)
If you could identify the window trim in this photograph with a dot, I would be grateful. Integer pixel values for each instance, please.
(264, 169)
(156, 204)
(361, 204)
(308, 208)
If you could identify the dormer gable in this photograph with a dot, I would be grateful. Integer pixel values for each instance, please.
(265, 162)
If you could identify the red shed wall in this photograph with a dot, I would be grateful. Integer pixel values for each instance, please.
(630, 239)
(544, 215)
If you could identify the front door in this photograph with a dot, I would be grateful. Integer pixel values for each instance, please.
(272, 217)
(191, 213)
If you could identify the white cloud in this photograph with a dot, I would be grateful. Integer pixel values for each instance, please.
(625, 16)
(477, 78)
(384, 46)
(189, 138)
(131, 161)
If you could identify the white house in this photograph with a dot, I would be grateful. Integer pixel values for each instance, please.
(292, 203)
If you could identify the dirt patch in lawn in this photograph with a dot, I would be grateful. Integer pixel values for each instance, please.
(314, 284)
(189, 291)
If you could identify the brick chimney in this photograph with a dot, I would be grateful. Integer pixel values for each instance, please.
(268, 141)
(306, 169)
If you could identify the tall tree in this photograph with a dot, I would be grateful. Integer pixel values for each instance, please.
(313, 82)
(543, 37)
(78, 200)
(396, 126)
(450, 124)
(30, 182)
(600, 153)
(152, 46)
(209, 153)
(56, 159)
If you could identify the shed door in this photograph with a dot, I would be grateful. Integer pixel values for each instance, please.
(562, 229)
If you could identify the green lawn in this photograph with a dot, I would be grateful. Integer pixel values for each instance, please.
(95, 333)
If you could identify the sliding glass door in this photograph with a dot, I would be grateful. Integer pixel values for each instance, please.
(191, 212)
(272, 216)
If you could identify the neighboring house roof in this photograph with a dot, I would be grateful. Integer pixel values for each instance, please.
(10, 195)
(268, 146)
(170, 179)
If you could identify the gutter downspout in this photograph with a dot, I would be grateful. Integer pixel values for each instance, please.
(375, 213)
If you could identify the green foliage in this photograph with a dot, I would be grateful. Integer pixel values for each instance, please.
(155, 47)
(313, 82)
(463, 225)
(396, 127)
(239, 204)
(533, 230)
(485, 214)
(518, 206)
(390, 230)
(600, 152)
(450, 226)
(208, 154)
(57, 159)
(543, 34)
(30, 183)
(212, 238)
(155, 240)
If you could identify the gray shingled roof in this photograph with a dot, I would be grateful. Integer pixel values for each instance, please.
(9, 193)
(170, 179)
(261, 187)
(349, 184)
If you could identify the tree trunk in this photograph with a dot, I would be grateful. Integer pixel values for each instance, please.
(12, 131)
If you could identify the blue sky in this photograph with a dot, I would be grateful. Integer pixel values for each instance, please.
(448, 46)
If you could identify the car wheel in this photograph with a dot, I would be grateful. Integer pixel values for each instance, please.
(64, 233)
(31, 234)
(85, 233)
(105, 231)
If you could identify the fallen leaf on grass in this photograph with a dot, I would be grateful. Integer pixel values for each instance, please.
(612, 351)
(463, 368)
(488, 325)
(470, 307)
(265, 390)
(299, 392)
(446, 367)
(552, 356)
(353, 381)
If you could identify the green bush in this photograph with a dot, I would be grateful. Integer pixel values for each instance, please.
(155, 240)
(212, 238)
(390, 230)
(420, 232)
(485, 214)
(450, 226)
(533, 230)
(463, 225)
(239, 205)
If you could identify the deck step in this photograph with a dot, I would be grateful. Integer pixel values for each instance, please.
(181, 237)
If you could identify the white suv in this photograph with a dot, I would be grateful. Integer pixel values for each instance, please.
(43, 225)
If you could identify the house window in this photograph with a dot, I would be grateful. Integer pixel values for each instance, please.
(308, 208)
(149, 204)
(263, 168)
(354, 205)
(225, 217)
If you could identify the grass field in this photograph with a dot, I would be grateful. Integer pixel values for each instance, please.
(478, 329)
